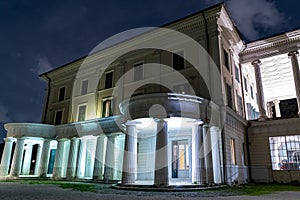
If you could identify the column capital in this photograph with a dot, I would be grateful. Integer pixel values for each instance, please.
(131, 123)
(9, 139)
(291, 53)
(256, 62)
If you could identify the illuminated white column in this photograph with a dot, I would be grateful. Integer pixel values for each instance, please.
(259, 89)
(27, 160)
(129, 172)
(72, 160)
(57, 169)
(6, 156)
(199, 171)
(208, 155)
(295, 65)
(44, 159)
(214, 134)
(100, 157)
(109, 167)
(161, 175)
(17, 158)
(277, 107)
(38, 160)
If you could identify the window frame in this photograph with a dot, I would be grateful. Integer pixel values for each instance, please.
(175, 53)
(111, 107)
(78, 110)
(59, 94)
(55, 116)
(112, 79)
(82, 91)
(136, 64)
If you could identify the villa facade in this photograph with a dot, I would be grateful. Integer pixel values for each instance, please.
(188, 103)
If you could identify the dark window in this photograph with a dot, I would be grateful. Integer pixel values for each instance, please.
(178, 60)
(226, 59)
(81, 113)
(237, 74)
(245, 83)
(58, 117)
(51, 161)
(229, 95)
(61, 95)
(84, 87)
(138, 72)
(107, 108)
(109, 80)
(240, 105)
(251, 92)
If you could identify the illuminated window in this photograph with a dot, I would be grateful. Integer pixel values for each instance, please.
(84, 87)
(138, 71)
(109, 80)
(61, 94)
(81, 113)
(285, 152)
(107, 108)
(178, 60)
(232, 151)
(58, 117)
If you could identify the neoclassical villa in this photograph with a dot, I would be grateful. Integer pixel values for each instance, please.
(189, 103)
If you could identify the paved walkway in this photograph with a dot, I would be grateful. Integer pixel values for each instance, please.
(14, 190)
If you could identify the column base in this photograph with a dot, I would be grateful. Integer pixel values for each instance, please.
(263, 118)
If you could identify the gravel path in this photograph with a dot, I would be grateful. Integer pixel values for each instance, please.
(14, 190)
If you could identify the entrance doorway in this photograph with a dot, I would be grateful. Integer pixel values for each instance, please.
(181, 159)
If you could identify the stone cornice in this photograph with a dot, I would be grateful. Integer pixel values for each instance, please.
(272, 46)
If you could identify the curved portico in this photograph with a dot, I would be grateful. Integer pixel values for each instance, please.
(167, 131)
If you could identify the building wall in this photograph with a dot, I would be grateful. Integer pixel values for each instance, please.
(259, 149)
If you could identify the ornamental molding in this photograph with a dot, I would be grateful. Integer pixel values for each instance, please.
(268, 47)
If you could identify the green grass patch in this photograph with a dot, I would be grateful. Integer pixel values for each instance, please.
(261, 189)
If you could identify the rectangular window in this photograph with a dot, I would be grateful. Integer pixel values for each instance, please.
(232, 151)
(226, 59)
(81, 113)
(237, 74)
(245, 83)
(240, 105)
(251, 91)
(285, 152)
(107, 108)
(58, 117)
(61, 94)
(229, 95)
(109, 80)
(138, 71)
(178, 60)
(84, 87)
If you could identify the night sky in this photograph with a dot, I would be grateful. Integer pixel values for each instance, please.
(37, 36)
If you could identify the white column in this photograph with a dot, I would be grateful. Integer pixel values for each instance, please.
(199, 171)
(214, 133)
(100, 157)
(38, 160)
(208, 155)
(27, 160)
(260, 91)
(72, 161)
(57, 169)
(44, 159)
(109, 167)
(17, 158)
(295, 65)
(129, 172)
(6, 156)
(161, 175)
(277, 107)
